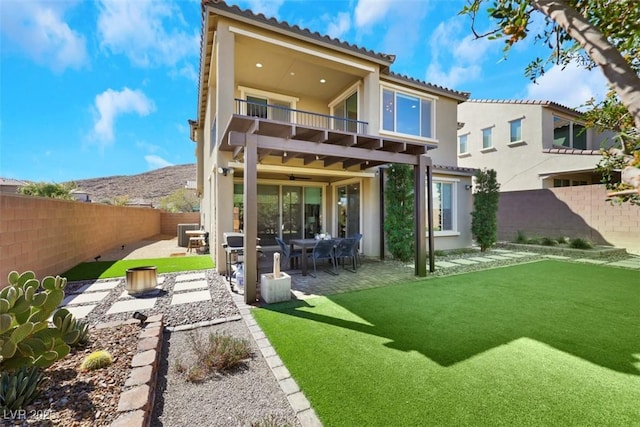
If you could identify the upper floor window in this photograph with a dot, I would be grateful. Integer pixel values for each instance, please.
(406, 113)
(487, 138)
(515, 133)
(569, 134)
(463, 144)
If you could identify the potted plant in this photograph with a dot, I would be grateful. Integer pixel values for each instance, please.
(276, 286)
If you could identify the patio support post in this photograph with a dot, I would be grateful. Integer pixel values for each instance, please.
(432, 246)
(419, 215)
(250, 218)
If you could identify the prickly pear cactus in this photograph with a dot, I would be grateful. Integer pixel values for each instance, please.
(25, 307)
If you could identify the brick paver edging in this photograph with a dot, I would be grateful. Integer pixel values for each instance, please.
(138, 394)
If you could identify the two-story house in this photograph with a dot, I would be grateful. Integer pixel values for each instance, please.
(530, 144)
(294, 131)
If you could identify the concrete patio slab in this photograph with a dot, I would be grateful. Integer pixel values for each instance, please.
(188, 286)
(84, 298)
(591, 261)
(188, 297)
(445, 264)
(190, 276)
(81, 311)
(464, 261)
(132, 305)
(481, 259)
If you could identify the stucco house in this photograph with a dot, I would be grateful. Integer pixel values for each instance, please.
(293, 133)
(530, 144)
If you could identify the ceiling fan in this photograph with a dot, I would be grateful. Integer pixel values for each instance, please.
(296, 178)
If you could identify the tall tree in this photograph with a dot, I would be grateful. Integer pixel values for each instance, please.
(592, 33)
(484, 218)
(398, 224)
(48, 189)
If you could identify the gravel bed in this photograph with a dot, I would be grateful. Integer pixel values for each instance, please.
(221, 306)
(249, 396)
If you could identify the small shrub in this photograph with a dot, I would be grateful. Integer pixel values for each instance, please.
(533, 241)
(196, 374)
(521, 237)
(562, 240)
(20, 387)
(547, 241)
(218, 353)
(180, 367)
(439, 253)
(579, 243)
(96, 360)
(269, 421)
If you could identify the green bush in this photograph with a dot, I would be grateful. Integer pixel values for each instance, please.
(398, 224)
(521, 237)
(562, 240)
(579, 243)
(218, 353)
(484, 221)
(547, 241)
(534, 241)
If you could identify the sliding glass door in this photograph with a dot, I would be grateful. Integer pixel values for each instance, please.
(348, 218)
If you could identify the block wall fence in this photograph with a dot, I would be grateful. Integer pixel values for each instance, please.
(580, 211)
(49, 236)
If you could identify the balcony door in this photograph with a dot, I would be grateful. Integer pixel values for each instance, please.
(346, 109)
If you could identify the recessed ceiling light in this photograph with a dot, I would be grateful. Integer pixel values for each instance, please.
(323, 81)
(292, 73)
(259, 65)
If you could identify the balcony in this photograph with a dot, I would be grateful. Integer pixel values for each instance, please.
(278, 113)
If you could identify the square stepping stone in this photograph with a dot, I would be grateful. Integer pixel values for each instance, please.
(102, 286)
(514, 255)
(556, 256)
(80, 311)
(591, 261)
(501, 251)
(464, 261)
(84, 298)
(191, 276)
(132, 305)
(481, 259)
(627, 264)
(188, 286)
(188, 297)
(445, 264)
(498, 257)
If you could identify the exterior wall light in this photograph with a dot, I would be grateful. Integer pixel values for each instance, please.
(225, 171)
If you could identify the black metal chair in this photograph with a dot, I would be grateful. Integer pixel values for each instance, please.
(346, 248)
(287, 253)
(324, 250)
(356, 250)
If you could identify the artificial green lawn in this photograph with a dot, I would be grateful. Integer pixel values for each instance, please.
(547, 343)
(107, 269)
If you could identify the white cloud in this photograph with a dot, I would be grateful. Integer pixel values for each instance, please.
(39, 30)
(339, 26)
(455, 56)
(571, 86)
(269, 8)
(110, 104)
(369, 12)
(147, 32)
(156, 162)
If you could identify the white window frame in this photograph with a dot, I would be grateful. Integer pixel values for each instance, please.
(455, 183)
(405, 91)
(491, 146)
(572, 122)
(467, 152)
(355, 88)
(258, 93)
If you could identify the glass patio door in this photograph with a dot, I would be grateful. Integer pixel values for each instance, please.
(348, 210)
(347, 109)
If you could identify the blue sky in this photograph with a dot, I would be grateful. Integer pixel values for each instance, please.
(98, 88)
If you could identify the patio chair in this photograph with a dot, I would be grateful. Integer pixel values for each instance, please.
(287, 253)
(324, 250)
(356, 250)
(346, 248)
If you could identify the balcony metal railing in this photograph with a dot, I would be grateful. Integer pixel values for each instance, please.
(299, 117)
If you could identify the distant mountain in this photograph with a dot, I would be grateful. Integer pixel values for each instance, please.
(148, 187)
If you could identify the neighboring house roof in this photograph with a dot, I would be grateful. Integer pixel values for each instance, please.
(572, 151)
(11, 181)
(549, 104)
(455, 169)
(272, 23)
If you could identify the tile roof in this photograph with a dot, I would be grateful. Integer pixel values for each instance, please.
(260, 18)
(572, 151)
(462, 96)
(543, 103)
(457, 169)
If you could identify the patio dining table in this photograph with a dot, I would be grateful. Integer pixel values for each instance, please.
(305, 244)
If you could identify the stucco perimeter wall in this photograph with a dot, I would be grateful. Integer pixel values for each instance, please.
(50, 236)
(580, 211)
(169, 221)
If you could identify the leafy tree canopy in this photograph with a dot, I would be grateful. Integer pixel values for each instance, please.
(48, 189)
(182, 200)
